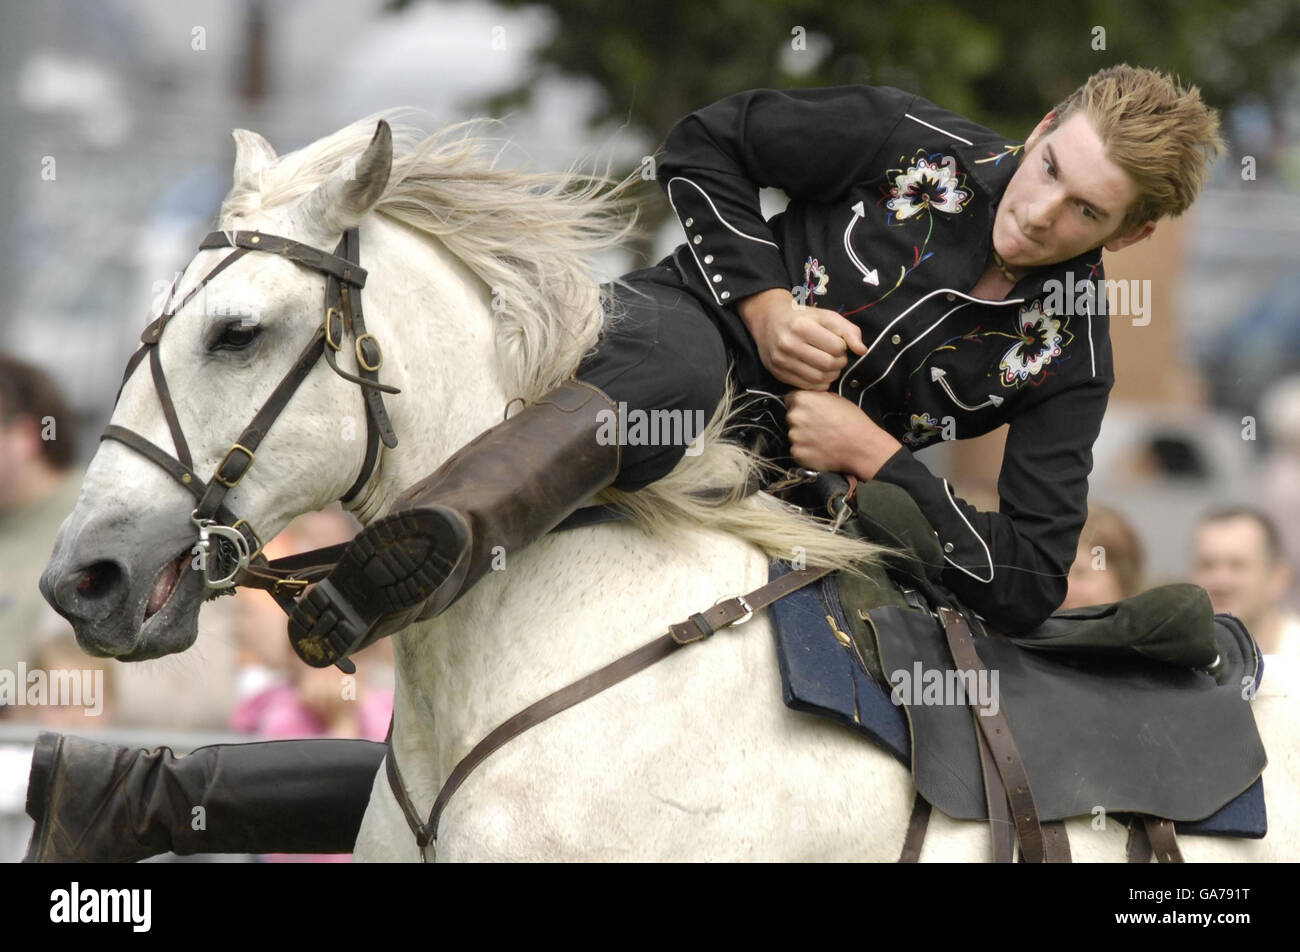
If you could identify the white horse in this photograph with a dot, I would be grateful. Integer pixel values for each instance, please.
(480, 290)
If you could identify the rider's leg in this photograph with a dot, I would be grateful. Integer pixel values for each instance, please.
(100, 803)
(520, 478)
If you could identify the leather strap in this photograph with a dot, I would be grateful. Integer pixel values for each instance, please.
(349, 272)
(1056, 841)
(916, 827)
(720, 616)
(239, 458)
(997, 733)
(1001, 830)
(1161, 840)
(1138, 847)
(169, 409)
(344, 278)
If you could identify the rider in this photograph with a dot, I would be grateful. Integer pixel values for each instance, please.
(930, 279)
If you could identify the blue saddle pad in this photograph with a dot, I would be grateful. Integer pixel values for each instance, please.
(821, 676)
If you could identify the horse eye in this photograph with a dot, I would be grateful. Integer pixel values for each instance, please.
(236, 336)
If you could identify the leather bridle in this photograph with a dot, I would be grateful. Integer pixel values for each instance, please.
(229, 550)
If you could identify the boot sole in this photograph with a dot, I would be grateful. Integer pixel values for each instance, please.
(384, 579)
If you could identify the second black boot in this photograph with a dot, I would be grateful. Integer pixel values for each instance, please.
(101, 803)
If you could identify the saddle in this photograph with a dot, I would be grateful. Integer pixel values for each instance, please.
(1139, 708)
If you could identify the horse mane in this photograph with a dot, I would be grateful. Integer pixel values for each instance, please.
(532, 238)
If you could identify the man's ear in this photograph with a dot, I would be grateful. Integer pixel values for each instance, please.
(1040, 130)
(1131, 237)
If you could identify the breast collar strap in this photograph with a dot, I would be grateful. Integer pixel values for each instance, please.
(229, 549)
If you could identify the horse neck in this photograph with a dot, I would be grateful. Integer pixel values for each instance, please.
(433, 318)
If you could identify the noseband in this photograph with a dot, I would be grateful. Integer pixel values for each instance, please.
(228, 548)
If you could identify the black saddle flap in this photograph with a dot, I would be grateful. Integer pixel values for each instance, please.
(1116, 731)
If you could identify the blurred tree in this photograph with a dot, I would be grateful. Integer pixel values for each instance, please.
(1004, 63)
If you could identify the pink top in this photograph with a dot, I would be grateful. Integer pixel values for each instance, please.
(276, 713)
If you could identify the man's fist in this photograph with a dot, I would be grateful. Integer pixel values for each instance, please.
(806, 347)
(830, 434)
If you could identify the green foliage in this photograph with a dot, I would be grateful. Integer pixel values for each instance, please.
(1004, 63)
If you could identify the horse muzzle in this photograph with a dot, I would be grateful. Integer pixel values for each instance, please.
(121, 600)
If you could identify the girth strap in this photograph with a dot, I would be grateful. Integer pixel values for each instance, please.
(1002, 831)
(996, 731)
(720, 616)
(1148, 835)
(916, 827)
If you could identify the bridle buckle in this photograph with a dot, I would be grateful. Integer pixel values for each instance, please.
(232, 483)
(362, 361)
(294, 586)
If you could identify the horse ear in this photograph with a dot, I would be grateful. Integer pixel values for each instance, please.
(252, 154)
(342, 200)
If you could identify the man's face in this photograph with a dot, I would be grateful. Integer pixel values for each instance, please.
(1066, 197)
(1233, 566)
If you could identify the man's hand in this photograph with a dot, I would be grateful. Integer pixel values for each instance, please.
(806, 347)
(831, 434)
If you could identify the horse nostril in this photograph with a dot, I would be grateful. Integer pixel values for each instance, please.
(98, 580)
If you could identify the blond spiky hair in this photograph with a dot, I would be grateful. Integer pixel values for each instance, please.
(1161, 133)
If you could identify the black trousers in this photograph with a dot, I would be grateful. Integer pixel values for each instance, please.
(661, 351)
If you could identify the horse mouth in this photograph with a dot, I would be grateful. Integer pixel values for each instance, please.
(168, 580)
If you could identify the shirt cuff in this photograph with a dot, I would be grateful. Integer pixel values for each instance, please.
(963, 548)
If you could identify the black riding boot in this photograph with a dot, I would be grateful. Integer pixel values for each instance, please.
(100, 803)
(506, 488)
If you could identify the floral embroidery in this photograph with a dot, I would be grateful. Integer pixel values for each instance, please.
(922, 429)
(929, 184)
(1042, 337)
(815, 279)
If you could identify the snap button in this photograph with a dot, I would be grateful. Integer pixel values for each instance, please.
(717, 278)
(696, 240)
(853, 384)
(724, 295)
(708, 259)
(947, 547)
(951, 297)
(690, 222)
(896, 339)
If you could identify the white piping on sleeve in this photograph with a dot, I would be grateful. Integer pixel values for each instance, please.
(988, 555)
(699, 264)
(682, 178)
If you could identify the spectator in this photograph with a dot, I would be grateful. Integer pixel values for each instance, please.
(39, 485)
(62, 660)
(1280, 477)
(1108, 563)
(38, 488)
(1239, 561)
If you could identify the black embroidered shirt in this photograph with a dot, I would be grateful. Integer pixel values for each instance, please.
(889, 223)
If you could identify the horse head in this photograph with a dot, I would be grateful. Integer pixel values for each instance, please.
(125, 569)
